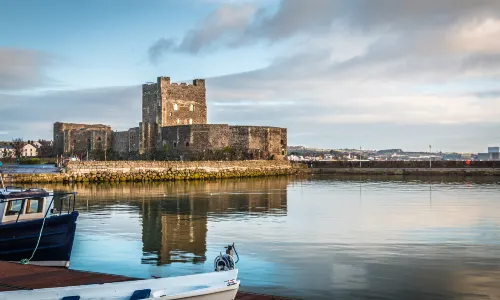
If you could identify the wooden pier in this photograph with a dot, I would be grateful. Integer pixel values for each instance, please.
(14, 276)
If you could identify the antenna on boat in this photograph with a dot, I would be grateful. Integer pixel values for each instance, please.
(1, 178)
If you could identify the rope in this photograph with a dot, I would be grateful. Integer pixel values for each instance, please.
(25, 261)
(225, 262)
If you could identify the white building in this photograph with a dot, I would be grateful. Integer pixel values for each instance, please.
(29, 150)
(6, 151)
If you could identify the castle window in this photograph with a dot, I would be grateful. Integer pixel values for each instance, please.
(187, 144)
(190, 121)
(170, 114)
(98, 139)
(74, 141)
(175, 144)
(176, 107)
(178, 121)
(191, 107)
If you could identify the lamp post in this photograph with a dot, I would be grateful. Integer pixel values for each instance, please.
(360, 156)
(430, 156)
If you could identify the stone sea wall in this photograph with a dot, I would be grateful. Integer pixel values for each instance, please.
(140, 171)
(454, 172)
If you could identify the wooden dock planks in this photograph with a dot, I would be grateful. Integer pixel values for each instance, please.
(15, 276)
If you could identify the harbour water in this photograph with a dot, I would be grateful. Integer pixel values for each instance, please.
(319, 237)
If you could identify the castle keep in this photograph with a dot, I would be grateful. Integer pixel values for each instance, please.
(174, 124)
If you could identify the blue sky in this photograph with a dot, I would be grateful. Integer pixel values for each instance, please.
(336, 73)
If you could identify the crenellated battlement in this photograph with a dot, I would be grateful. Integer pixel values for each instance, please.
(165, 80)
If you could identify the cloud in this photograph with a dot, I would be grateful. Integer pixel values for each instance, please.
(23, 69)
(160, 47)
(32, 116)
(239, 25)
(226, 22)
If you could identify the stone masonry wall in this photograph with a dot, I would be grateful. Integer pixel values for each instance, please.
(260, 140)
(120, 142)
(200, 137)
(116, 171)
(182, 104)
(126, 142)
(134, 135)
(78, 138)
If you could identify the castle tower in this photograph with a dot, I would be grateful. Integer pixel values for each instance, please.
(181, 104)
(170, 104)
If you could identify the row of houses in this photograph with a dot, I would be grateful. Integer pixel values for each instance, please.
(25, 149)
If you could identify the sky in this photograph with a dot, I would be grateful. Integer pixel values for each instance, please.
(337, 73)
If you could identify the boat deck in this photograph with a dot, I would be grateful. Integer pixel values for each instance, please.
(15, 276)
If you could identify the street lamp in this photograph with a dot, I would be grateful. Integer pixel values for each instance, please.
(360, 156)
(430, 156)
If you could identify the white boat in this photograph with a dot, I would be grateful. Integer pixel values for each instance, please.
(219, 285)
(210, 286)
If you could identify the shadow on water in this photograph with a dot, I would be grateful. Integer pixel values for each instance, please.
(312, 237)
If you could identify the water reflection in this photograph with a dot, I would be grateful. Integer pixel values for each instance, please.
(174, 216)
(318, 237)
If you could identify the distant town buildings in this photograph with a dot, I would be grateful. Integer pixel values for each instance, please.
(493, 154)
(19, 149)
(301, 153)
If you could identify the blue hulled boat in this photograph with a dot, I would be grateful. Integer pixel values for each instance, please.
(34, 229)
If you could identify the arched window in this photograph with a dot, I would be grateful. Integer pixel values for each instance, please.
(187, 144)
(74, 141)
(176, 107)
(175, 144)
(191, 107)
(190, 121)
(99, 139)
(178, 121)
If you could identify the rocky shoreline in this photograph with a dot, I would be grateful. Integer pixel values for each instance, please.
(157, 171)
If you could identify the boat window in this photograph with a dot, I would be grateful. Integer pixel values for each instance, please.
(14, 207)
(34, 206)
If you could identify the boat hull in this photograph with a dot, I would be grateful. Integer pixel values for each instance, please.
(18, 240)
(208, 286)
(226, 293)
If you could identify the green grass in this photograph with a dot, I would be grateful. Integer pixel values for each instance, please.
(30, 161)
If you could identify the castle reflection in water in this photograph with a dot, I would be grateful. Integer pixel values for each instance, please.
(175, 215)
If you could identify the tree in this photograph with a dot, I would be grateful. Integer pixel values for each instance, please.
(17, 146)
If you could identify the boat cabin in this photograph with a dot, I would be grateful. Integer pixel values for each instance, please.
(17, 204)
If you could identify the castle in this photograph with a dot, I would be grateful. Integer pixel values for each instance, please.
(174, 125)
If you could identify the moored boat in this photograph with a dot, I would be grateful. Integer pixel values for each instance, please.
(222, 284)
(33, 230)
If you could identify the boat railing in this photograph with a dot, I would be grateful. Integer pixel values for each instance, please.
(69, 196)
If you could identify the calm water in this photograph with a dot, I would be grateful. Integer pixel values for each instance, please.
(312, 238)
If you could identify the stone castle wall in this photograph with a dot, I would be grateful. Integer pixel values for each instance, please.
(78, 138)
(120, 141)
(205, 137)
(126, 142)
(181, 104)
